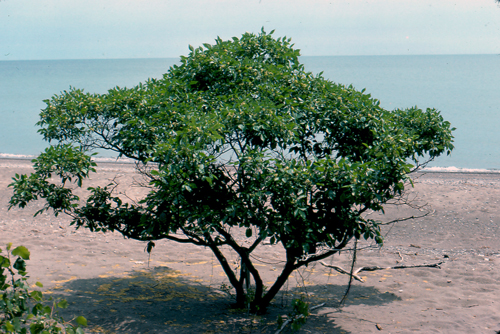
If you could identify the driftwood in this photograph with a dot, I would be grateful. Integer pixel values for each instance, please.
(355, 276)
(373, 268)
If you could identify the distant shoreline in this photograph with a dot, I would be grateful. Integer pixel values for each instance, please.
(4, 158)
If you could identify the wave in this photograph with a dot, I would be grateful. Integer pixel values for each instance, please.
(16, 156)
(8, 156)
(451, 169)
(458, 170)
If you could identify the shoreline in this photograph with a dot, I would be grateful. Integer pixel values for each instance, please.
(109, 160)
(20, 157)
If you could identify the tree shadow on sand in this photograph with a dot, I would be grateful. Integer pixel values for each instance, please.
(161, 300)
(323, 320)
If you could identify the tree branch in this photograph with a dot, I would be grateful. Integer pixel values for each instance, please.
(328, 253)
(255, 244)
(404, 219)
(227, 269)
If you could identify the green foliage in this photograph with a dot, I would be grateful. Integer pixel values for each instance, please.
(300, 312)
(238, 136)
(21, 310)
(297, 317)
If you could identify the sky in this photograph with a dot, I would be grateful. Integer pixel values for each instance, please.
(96, 29)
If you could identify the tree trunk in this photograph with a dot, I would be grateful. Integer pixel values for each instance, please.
(238, 286)
(259, 305)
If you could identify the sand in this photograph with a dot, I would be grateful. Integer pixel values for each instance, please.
(180, 288)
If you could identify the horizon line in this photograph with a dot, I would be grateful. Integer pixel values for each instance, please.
(178, 57)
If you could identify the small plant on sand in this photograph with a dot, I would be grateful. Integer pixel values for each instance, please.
(297, 317)
(23, 311)
(238, 146)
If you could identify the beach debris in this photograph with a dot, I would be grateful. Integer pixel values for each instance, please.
(373, 268)
(378, 327)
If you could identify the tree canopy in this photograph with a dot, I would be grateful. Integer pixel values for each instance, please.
(237, 137)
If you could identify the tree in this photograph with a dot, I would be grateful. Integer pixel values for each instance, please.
(237, 138)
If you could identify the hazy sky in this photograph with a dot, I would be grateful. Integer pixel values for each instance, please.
(77, 29)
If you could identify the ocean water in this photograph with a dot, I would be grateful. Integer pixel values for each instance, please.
(465, 88)
(25, 84)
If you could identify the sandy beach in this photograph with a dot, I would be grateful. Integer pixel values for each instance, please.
(180, 288)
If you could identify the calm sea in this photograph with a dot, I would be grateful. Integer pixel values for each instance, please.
(464, 87)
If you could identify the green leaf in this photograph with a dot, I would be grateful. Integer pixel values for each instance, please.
(20, 266)
(62, 304)
(248, 232)
(36, 295)
(81, 321)
(8, 326)
(4, 262)
(150, 247)
(38, 284)
(22, 252)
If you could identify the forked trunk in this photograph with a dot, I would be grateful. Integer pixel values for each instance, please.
(260, 303)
